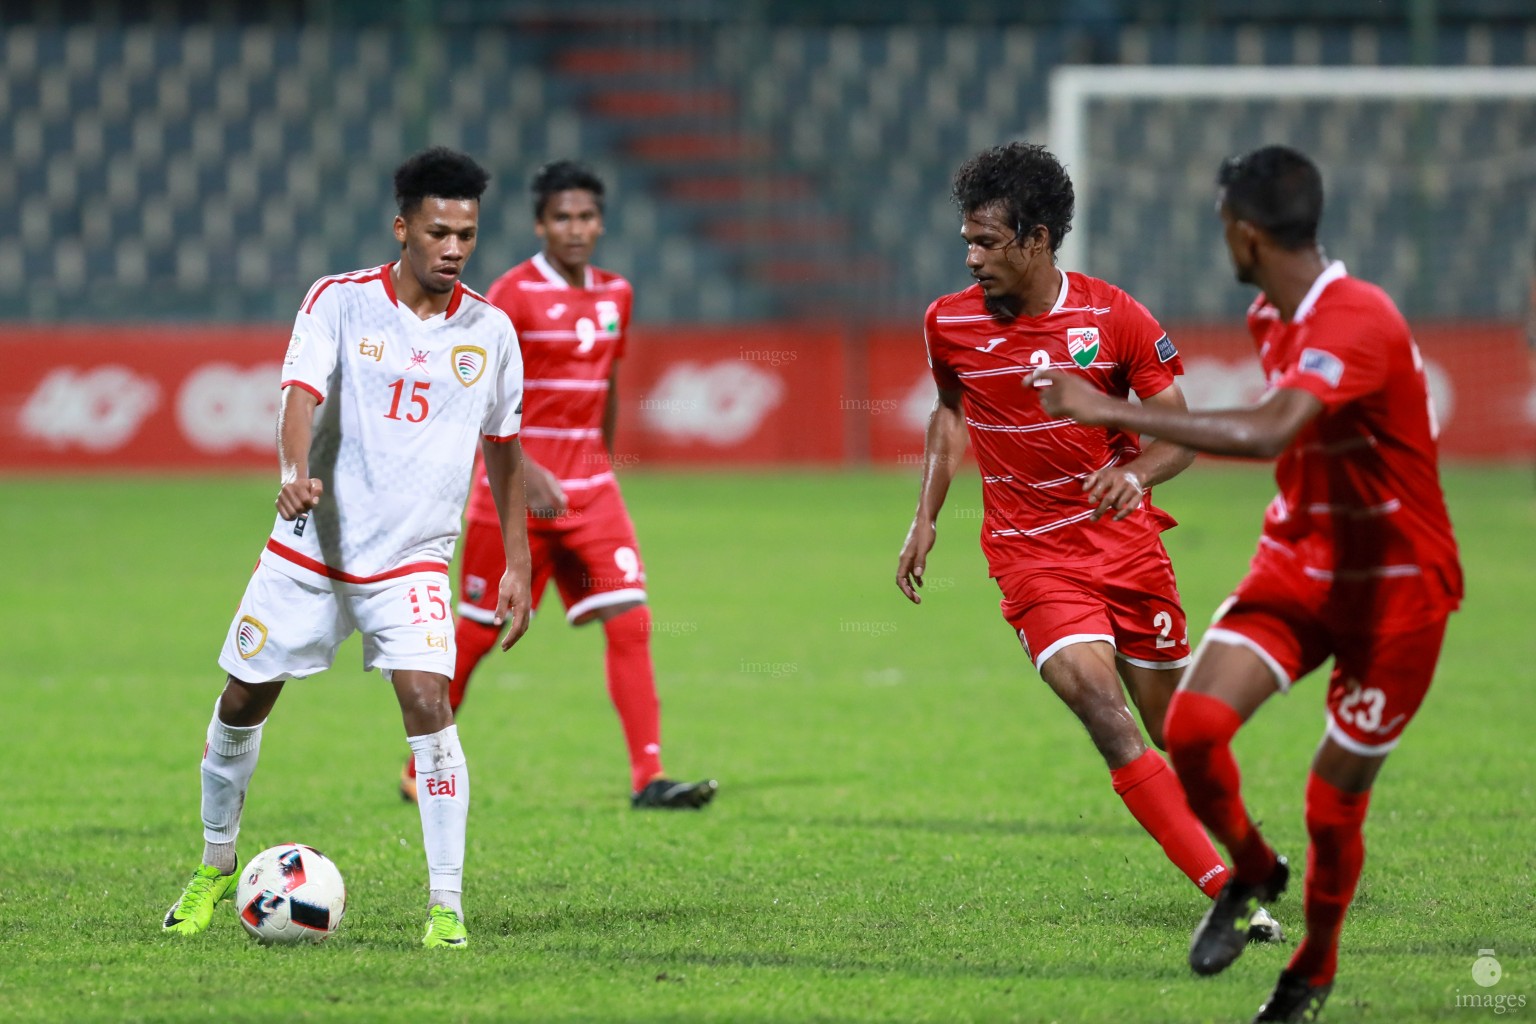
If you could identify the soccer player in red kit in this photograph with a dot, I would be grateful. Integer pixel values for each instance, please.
(571, 318)
(1069, 528)
(1356, 560)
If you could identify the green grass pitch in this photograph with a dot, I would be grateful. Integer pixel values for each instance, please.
(910, 827)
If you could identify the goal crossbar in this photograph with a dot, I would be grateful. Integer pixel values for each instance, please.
(1074, 87)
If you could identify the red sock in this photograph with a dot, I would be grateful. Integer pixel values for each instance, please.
(473, 640)
(1154, 797)
(1334, 861)
(1199, 730)
(632, 686)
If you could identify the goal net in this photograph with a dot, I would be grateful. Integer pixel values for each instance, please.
(1428, 176)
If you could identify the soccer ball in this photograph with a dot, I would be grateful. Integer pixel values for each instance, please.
(290, 894)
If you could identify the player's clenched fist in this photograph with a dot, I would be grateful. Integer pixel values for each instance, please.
(298, 497)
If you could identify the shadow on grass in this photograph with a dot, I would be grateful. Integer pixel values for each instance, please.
(940, 966)
(968, 826)
(598, 919)
(766, 783)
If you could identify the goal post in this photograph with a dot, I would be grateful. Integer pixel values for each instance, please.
(1429, 179)
(1411, 157)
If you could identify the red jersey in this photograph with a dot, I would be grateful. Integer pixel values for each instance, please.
(1360, 505)
(570, 338)
(1032, 464)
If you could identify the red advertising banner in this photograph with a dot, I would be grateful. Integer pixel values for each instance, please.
(181, 398)
(732, 395)
(80, 399)
(140, 399)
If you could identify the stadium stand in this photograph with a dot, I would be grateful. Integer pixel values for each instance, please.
(778, 170)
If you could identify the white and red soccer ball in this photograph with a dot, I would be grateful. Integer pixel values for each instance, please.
(290, 894)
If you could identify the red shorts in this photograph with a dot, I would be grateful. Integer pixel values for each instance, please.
(1380, 675)
(591, 553)
(1132, 604)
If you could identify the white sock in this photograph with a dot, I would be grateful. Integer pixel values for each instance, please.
(228, 764)
(452, 900)
(442, 794)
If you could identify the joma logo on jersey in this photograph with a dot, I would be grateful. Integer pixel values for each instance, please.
(468, 363)
(1083, 345)
(440, 787)
(250, 637)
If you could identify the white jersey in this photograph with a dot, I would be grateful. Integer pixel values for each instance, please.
(403, 405)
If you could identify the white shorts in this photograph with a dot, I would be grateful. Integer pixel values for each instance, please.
(288, 630)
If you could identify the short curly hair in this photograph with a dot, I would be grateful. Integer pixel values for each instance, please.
(1028, 180)
(441, 173)
(1278, 189)
(561, 176)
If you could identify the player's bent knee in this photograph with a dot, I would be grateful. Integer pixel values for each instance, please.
(1198, 722)
(243, 704)
(628, 624)
(1334, 815)
(423, 698)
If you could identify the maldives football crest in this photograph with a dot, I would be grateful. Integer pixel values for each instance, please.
(1083, 345)
(608, 316)
(468, 363)
(250, 637)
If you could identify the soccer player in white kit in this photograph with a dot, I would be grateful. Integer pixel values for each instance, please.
(391, 377)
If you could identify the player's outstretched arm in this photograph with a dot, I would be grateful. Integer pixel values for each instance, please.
(1261, 431)
(299, 492)
(514, 601)
(943, 447)
(1119, 489)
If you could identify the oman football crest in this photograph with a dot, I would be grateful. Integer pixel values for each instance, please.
(468, 363)
(250, 637)
(1083, 345)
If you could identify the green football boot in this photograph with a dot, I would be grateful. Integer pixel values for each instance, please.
(193, 913)
(444, 930)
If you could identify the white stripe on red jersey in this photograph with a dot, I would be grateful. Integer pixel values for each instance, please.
(1028, 458)
(1364, 470)
(571, 339)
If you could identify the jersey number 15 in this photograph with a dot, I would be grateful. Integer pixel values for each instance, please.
(418, 401)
